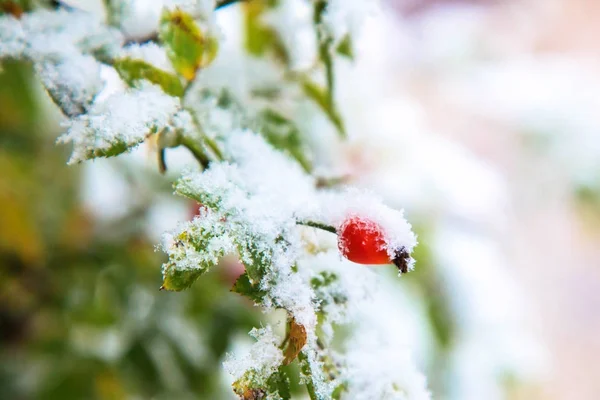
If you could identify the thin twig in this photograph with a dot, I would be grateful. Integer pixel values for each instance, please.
(318, 225)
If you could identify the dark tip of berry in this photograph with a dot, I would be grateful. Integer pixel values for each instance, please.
(401, 259)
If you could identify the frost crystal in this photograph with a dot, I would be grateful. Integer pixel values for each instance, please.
(58, 43)
(257, 198)
(43, 35)
(72, 83)
(264, 356)
(121, 121)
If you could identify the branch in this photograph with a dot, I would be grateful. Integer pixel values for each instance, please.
(318, 225)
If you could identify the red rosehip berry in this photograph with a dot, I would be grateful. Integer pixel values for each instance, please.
(363, 241)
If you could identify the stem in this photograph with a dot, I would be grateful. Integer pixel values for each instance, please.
(162, 165)
(196, 151)
(213, 147)
(318, 225)
(205, 139)
(327, 182)
(306, 370)
(325, 42)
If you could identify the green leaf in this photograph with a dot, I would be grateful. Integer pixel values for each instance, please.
(117, 147)
(338, 391)
(283, 134)
(244, 287)
(200, 242)
(253, 386)
(320, 97)
(344, 48)
(187, 47)
(132, 71)
(279, 383)
(178, 280)
(258, 36)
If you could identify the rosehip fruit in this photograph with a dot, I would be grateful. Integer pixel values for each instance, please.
(363, 241)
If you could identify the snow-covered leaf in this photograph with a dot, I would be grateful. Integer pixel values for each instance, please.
(72, 82)
(253, 371)
(120, 122)
(197, 246)
(244, 287)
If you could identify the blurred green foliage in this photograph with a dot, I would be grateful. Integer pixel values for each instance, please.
(81, 316)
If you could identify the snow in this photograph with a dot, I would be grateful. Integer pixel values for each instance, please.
(292, 21)
(257, 197)
(263, 357)
(73, 82)
(58, 43)
(377, 360)
(151, 53)
(123, 120)
(344, 17)
(44, 34)
(139, 19)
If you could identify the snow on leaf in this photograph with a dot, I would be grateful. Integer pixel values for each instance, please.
(120, 122)
(44, 34)
(244, 287)
(195, 248)
(61, 44)
(252, 371)
(72, 82)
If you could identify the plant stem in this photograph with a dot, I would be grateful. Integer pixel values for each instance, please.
(318, 225)
(196, 151)
(306, 370)
(213, 147)
(325, 42)
(216, 152)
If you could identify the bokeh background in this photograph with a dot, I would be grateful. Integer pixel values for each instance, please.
(480, 118)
